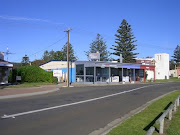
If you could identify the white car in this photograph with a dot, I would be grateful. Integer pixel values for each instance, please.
(178, 76)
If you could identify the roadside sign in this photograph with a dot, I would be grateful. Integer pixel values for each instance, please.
(18, 78)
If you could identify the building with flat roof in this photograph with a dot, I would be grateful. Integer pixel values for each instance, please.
(100, 71)
(59, 69)
(145, 61)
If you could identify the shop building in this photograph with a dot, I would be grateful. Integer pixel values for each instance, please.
(109, 72)
(59, 69)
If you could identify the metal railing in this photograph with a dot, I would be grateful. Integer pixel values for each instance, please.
(160, 120)
(150, 131)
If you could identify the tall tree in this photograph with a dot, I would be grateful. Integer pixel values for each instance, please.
(25, 60)
(171, 64)
(177, 54)
(58, 55)
(99, 46)
(71, 52)
(37, 62)
(46, 56)
(52, 55)
(125, 43)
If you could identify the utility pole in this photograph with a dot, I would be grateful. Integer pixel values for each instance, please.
(68, 30)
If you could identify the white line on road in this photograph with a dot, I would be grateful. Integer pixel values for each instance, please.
(70, 104)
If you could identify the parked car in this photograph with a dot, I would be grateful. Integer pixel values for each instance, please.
(178, 76)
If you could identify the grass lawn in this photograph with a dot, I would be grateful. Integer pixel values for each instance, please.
(27, 85)
(140, 123)
(174, 126)
(172, 79)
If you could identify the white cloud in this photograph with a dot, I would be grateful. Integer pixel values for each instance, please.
(22, 18)
(15, 18)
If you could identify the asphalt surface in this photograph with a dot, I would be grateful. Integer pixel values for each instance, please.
(77, 119)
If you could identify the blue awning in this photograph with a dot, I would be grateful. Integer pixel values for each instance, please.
(131, 66)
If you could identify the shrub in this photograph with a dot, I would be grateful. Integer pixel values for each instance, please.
(32, 74)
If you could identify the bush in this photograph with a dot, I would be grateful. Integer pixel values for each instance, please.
(31, 74)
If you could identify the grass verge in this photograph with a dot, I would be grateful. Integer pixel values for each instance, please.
(27, 85)
(173, 79)
(140, 123)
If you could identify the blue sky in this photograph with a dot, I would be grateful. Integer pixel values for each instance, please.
(33, 26)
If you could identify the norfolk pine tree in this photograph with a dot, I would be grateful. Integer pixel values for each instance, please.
(99, 46)
(177, 55)
(125, 43)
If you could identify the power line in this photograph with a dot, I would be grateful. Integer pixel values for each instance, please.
(106, 36)
(45, 47)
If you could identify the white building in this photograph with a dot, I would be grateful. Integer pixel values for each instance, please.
(162, 66)
(61, 67)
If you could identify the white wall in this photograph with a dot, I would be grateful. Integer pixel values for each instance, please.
(162, 65)
(150, 74)
(173, 73)
(56, 65)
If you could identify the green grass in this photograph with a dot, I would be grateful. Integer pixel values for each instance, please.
(139, 123)
(173, 79)
(174, 125)
(27, 85)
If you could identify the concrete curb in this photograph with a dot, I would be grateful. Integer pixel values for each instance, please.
(115, 123)
(28, 94)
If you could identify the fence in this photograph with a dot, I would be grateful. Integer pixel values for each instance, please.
(160, 120)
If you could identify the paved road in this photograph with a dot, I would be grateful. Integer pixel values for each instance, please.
(80, 118)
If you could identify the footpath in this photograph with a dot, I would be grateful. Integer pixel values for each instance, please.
(6, 93)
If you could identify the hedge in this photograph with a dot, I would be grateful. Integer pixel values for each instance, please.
(31, 74)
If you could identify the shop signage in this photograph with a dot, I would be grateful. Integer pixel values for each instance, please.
(115, 79)
(57, 73)
(94, 56)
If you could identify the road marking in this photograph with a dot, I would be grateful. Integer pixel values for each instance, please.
(70, 104)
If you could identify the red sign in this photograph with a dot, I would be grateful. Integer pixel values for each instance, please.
(147, 67)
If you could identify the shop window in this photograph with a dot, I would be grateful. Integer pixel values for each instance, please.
(89, 70)
(80, 69)
(89, 79)
(79, 79)
(141, 73)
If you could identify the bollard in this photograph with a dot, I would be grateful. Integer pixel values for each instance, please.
(175, 107)
(160, 120)
(150, 131)
(178, 101)
(170, 114)
(161, 126)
